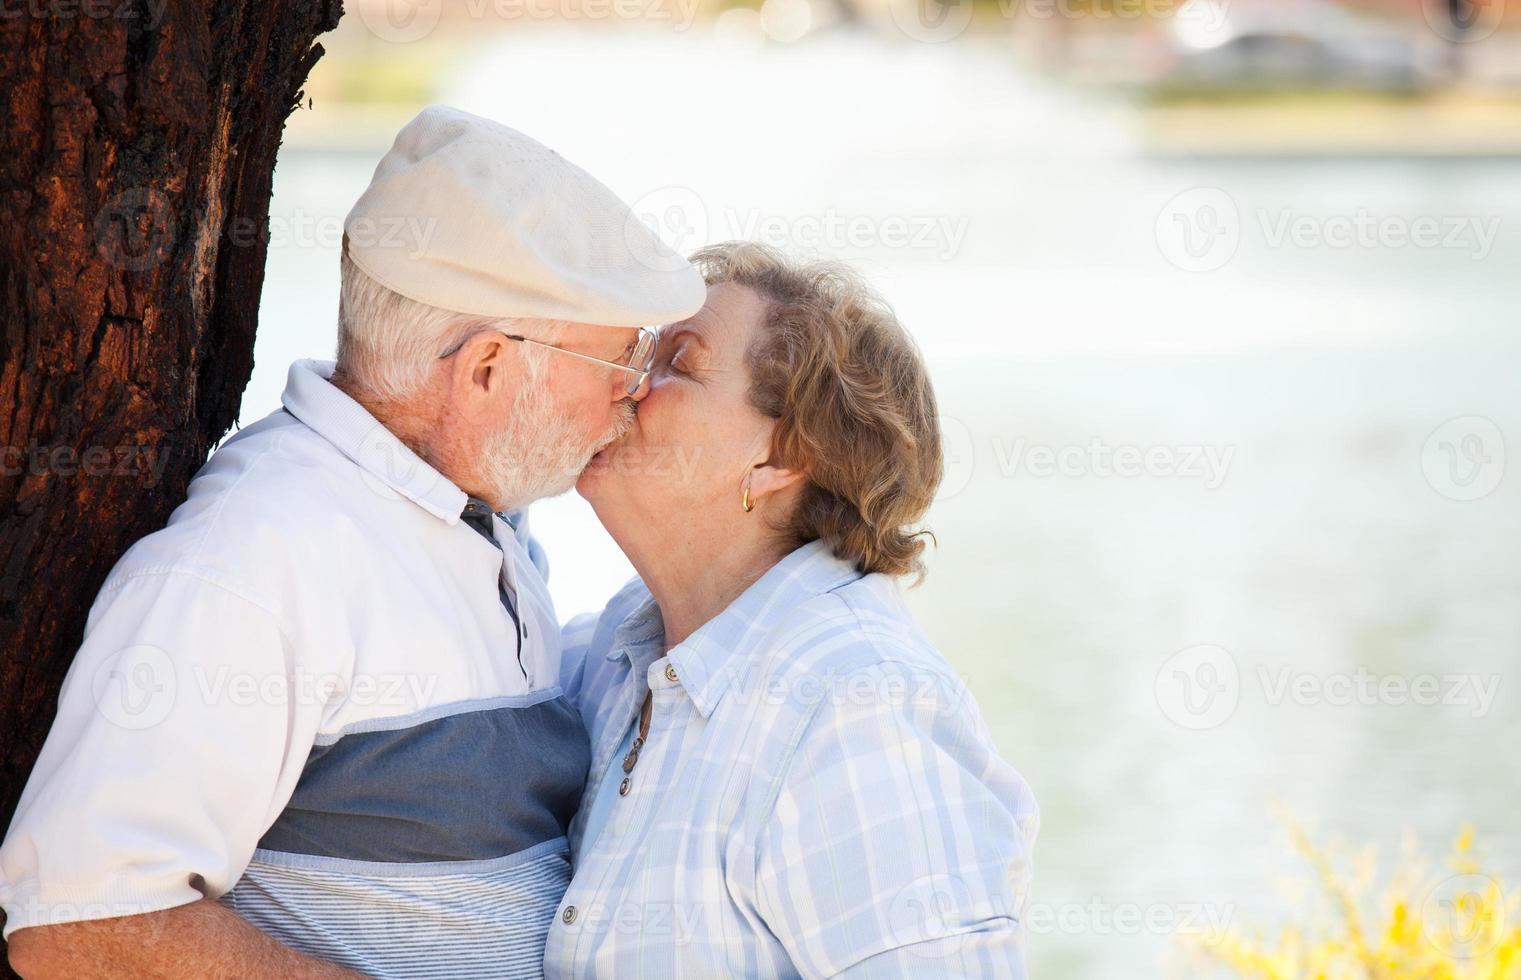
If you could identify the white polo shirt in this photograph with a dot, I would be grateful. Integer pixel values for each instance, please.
(305, 697)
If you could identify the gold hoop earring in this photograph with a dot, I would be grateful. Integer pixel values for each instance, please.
(745, 500)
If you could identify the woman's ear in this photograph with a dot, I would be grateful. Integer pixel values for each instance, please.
(767, 474)
(767, 479)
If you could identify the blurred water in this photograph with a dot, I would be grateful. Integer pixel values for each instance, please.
(1326, 538)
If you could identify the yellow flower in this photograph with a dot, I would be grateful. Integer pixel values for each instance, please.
(1457, 923)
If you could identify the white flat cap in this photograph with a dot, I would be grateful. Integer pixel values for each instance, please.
(466, 214)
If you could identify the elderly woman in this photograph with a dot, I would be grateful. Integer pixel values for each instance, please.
(787, 779)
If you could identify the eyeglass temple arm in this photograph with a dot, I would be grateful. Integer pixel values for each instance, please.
(585, 357)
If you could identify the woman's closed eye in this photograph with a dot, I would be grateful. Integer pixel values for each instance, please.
(676, 359)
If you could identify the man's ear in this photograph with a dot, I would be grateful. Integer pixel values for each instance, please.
(478, 372)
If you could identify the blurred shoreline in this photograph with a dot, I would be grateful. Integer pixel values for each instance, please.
(1446, 126)
(365, 86)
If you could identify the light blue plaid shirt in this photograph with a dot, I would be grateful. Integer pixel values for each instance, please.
(818, 795)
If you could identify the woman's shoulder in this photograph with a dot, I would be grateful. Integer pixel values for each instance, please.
(854, 657)
(863, 700)
(864, 625)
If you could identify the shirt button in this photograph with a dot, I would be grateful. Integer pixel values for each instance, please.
(670, 673)
(624, 786)
(569, 915)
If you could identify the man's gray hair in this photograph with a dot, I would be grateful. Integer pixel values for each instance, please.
(388, 344)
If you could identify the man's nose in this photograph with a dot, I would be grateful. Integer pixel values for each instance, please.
(639, 393)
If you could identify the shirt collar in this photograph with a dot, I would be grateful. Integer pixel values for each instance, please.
(386, 463)
(476, 507)
(639, 627)
(708, 661)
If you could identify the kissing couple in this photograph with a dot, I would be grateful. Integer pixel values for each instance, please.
(327, 723)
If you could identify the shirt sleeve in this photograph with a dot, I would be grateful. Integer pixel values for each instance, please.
(181, 731)
(900, 842)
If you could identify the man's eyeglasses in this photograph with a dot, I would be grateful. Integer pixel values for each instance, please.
(640, 362)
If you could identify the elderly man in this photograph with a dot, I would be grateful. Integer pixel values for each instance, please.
(315, 724)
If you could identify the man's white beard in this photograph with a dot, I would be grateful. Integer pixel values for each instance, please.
(538, 453)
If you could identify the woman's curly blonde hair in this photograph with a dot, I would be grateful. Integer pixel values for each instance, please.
(853, 404)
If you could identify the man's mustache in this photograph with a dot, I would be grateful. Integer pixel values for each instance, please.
(628, 409)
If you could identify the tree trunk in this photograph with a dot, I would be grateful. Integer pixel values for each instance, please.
(135, 166)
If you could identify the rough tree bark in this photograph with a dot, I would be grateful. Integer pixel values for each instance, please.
(136, 155)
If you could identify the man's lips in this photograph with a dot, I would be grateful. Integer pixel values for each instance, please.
(610, 444)
(620, 438)
(613, 444)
